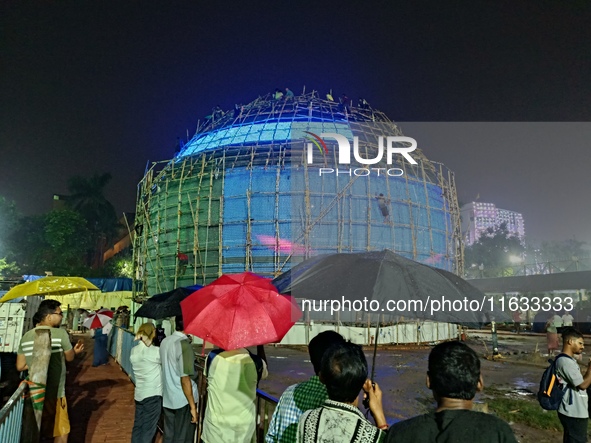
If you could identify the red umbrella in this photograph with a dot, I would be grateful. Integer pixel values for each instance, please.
(98, 319)
(239, 310)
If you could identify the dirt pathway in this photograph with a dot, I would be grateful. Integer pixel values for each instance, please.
(100, 400)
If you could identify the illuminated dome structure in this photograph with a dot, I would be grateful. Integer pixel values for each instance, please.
(242, 194)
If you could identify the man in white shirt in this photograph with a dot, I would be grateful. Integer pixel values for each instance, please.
(179, 394)
(567, 319)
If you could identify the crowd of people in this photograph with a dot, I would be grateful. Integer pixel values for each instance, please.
(165, 385)
(323, 408)
(286, 95)
(554, 326)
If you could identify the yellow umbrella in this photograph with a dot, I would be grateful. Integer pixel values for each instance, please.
(49, 286)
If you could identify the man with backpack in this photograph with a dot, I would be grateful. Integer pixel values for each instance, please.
(572, 412)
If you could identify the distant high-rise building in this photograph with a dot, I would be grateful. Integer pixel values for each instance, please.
(477, 217)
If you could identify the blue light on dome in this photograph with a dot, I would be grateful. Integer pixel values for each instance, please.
(256, 134)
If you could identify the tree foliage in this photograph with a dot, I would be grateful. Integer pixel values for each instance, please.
(8, 269)
(67, 237)
(567, 250)
(56, 242)
(492, 253)
(30, 244)
(120, 265)
(87, 198)
(65, 241)
(9, 221)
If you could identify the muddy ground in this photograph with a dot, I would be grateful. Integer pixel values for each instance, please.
(401, 374)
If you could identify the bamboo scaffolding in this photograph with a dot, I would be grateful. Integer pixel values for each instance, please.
(410, 204)
(428, 206)
(327, 213)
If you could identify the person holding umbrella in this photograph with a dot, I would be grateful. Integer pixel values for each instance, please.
(299, 398)
(100, 353)
(100, 326)
(55, 422)
(344, 372)
(235, 312)
(232, 380)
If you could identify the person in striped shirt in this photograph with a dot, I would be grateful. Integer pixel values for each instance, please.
(55, 422)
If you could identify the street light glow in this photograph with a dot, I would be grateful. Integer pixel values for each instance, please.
(515, 259)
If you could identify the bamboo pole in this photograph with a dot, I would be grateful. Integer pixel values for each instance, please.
(208, 225)
(410, 214)
(308, 211)
(162, 231)
(248, 246)
(276, 214)
(38, 369)
(458, 244)
(221, 216)
(428, 208)
(369, 205)
(196, 245)
(178, 225)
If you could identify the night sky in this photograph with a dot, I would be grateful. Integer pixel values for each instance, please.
(106, 86)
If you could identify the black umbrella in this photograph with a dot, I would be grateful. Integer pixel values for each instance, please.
(387, 280)
(392, 285)
(167, 304)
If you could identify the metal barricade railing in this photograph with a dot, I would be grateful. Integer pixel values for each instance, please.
(202, 389)
(120, 348)
(120, 344)
(11, 416)
(266, 405)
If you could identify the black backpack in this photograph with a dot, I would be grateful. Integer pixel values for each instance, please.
(551, 390)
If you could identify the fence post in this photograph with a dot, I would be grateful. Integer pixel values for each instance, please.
(38, 371)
